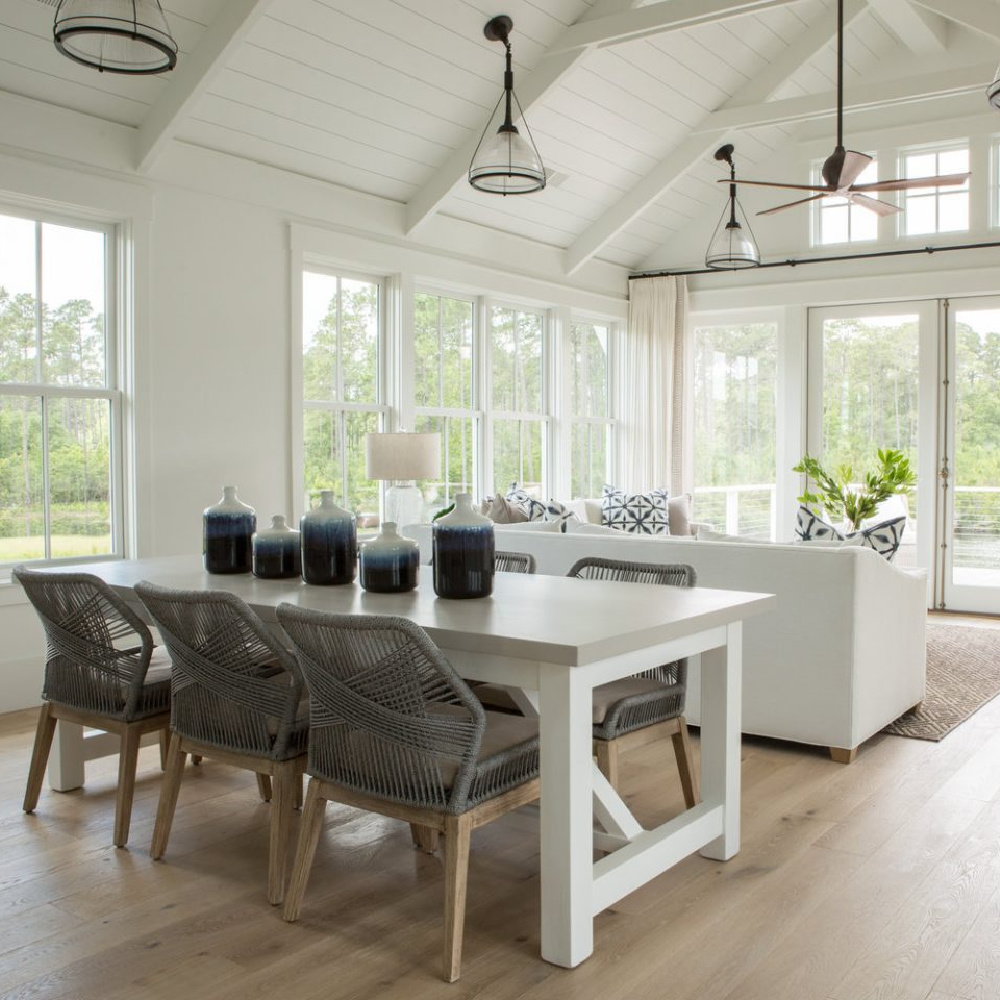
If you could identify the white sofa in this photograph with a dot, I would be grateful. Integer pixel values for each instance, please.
(842, 655)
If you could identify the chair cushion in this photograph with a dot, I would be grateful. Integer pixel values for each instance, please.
(606, 696)
(159, 666)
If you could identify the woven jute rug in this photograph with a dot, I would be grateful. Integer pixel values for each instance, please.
(963, 673)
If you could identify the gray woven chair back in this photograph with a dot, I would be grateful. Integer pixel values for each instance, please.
(671, 574)
(233, 685)
(515, 562)
(389, 716)
(98, 648)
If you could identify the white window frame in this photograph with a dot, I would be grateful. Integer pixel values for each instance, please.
(382, 375)
(115, 376)
(471, 412)
(611, 422)
(935, 149)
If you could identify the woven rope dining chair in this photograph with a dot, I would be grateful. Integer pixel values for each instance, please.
(649, 706)
(396, 731)
(101, 670)
(515, 562)
(237, 698)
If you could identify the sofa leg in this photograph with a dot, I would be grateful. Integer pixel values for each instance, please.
(840, 755)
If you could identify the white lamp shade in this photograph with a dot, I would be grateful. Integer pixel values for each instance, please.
(404, 456)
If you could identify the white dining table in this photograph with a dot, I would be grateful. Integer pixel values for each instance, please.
(555, 639)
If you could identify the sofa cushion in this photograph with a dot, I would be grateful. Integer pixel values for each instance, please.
(637, 513)
(680, 514)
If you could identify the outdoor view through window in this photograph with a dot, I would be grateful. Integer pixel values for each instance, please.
(58, 402)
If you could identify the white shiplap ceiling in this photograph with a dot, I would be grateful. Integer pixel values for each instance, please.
(386, 97)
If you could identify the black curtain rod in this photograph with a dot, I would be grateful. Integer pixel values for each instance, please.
(797, 262)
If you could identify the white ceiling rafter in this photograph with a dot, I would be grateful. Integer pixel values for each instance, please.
(980, 15)
(560, 58)
(677, 163)
(194, 76)
(921, 31)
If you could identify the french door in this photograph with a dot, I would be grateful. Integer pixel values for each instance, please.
(923, 377)
(967, 570)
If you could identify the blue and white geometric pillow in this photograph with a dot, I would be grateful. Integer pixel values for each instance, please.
(534, 509)
(636, 513)
(555, 511)
(884, 538)
(811, 528)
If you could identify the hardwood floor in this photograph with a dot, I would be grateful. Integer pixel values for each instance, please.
(876, 881)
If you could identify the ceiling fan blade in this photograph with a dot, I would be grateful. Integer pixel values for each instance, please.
(904, 183)
(825, 188)
(880, 208)
(792, 204)
(854, 166)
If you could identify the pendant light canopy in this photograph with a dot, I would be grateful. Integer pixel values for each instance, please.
(993, 91)
(733, 245)
(115, 36)
(505, 161)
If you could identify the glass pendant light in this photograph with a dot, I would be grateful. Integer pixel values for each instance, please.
(993, 91)
(505, 161)
(733, 245)
(115, 36)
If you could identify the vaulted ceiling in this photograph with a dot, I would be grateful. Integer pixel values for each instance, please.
(626, 102)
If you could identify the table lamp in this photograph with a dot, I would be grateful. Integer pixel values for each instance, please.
(400, 459)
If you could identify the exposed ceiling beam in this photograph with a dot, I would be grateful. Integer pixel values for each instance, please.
(980, 15)
(921, 31)
(677, 163)
(654, 19)
(562, 56)
(194, 76)
(884, 93)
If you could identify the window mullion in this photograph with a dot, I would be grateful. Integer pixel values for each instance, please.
(46, 509)
(39, 307)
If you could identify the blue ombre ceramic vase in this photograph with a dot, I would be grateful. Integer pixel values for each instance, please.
(329, 543)
(227, 531)
(463, 552)
(390, 563)
(276, 551)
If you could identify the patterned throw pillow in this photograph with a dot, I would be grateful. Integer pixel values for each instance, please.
(810, 527)
(533, 509)
(884, 538)
(637, 513)
(560, 513)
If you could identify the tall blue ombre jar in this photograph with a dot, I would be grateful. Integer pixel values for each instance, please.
(227, 533)
(329, 543)
(390, 563)
(464, 552)
(276, 551)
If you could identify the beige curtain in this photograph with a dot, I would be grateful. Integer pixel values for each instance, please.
(655, 428)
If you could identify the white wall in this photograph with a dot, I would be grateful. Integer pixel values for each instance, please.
(213, 337)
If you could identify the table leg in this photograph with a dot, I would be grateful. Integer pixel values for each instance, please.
(567, 816)
(721, 723)
(66, 758)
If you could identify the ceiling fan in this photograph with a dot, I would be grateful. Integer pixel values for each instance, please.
(844, 166)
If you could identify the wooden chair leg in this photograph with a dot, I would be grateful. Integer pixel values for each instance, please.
(607, 760)
(195, 759)
(309, 831)
(44, 732)
(128, 759)
(425, 838)
(286, 777)
(457, 834)
(264, 787)
(170, 786)
(300, 782)
(685, 765)
(164, 746)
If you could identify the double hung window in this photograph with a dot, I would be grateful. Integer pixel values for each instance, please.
(60, 402)
(590, 347)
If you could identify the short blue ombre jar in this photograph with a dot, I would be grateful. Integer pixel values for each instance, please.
(227, 533)
(329, 543)
(464, 552)
(276, 551)
(390, 563)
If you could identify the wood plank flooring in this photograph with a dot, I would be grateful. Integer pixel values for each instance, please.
(875, 881)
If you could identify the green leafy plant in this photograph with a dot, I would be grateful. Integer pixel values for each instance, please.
(838, 496)
(443, 511)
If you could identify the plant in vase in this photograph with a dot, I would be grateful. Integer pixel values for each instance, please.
(838, 495)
